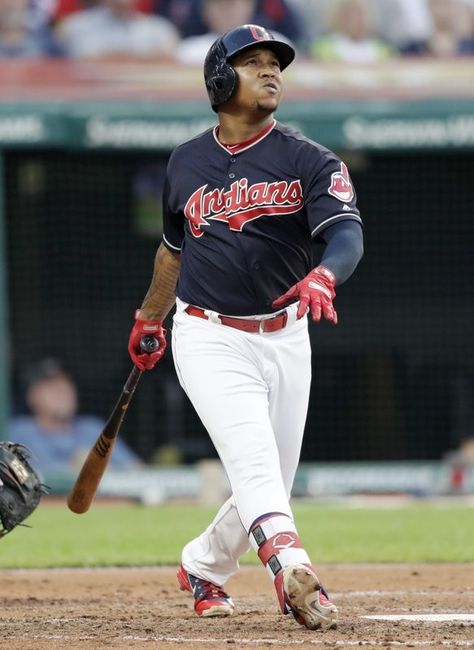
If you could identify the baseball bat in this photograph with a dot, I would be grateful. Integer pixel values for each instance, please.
(94, 466)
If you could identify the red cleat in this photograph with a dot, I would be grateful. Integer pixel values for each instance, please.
(209, 599)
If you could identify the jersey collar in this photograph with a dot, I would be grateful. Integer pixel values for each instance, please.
(242, 146)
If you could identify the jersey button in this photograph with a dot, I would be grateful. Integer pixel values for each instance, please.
(232, 159)
(231, 175)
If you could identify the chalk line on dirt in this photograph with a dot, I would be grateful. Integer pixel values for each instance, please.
(429, 618)
(263, 641)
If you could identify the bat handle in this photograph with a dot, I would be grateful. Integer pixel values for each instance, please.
(148, 344)
(131, 383)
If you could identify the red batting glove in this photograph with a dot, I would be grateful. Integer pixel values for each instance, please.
(141, 359)
(316, 291)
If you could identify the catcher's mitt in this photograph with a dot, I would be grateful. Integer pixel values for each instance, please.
(20, 486)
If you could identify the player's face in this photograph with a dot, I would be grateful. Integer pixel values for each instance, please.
(260, 81)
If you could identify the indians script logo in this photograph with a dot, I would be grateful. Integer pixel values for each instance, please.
(240, 203)
(341, 186)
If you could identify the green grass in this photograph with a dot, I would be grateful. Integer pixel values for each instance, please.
(123, 535)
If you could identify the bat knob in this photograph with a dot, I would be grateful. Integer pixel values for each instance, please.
(149, 343)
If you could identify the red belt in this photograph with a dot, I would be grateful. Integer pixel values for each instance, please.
(263, 325)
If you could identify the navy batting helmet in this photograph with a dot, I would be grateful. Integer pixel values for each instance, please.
(220, 76)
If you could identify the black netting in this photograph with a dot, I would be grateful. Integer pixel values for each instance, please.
(393, 380)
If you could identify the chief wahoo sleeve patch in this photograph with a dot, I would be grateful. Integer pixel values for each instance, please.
(341, 186)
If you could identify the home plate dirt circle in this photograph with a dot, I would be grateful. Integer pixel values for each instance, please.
(381, 606)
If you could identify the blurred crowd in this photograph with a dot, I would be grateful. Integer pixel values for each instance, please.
(354, 31)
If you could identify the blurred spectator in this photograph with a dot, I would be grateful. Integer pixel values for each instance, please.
(310, 15)
(41, 12)
(405, 24)
(352, 38)
(57, 436)
(219, 16)
(187, 15)
(115, 30)
(20, 39)
(184, 14)
(63, 8)
(453, 29)
(278, 16)
(66, 7)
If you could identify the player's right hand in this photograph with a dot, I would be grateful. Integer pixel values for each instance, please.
(142, 327)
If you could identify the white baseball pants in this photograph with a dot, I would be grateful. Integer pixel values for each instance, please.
(251, 392)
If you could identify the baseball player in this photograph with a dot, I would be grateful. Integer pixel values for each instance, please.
(242, 204)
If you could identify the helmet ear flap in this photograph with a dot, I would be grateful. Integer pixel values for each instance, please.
(221, 85)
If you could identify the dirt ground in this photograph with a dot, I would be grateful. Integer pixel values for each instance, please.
(98, 609)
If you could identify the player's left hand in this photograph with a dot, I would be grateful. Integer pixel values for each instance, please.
(315, 291)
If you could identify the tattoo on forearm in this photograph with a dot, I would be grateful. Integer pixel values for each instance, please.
(160, 296)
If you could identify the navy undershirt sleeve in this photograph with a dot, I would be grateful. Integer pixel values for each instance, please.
(344, 248)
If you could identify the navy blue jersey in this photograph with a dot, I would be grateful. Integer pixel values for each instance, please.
(243, 219)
